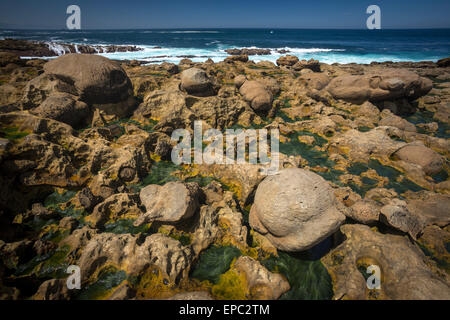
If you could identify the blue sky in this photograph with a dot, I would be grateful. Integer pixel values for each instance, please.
(104, 14)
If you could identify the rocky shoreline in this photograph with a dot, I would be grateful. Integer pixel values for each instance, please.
(86, 179)
(27, 48)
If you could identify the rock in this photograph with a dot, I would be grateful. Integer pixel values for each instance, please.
(248, 51)
(360, 145)
(87, 199)
(379, 85)
(192, 295)
(117, 206)
(295, 209)
(430, 161)
(124, 292)
(310, 64)
(8, 58)
(389, 119)
(65, 108)
(69, 223)
(172, 202)
(97, 80)
(135, 255)
(287, 61)
(404, 273)
(240, 58)
(55, 289)
(43, 247)
(443, 63)
(196, 82)
(257, 95)
(364, 211)
(239, 80)
(261, 283)
(397, 215)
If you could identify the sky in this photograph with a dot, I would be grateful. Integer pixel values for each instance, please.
(134, 14)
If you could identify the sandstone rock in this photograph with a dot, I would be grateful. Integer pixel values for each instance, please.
(117, 206)
(261, 283)
(196, 82)
(55, 289)
(97, 80)
(364, 211)
(257, 95)
(430, 161)
(311, 64)
(360, 145)
(171, 202)
(397, 215)
(65, 108)
(240, 58)
(295, 209)
(379, 85)
(135, 255)
(389, 119)
(404, 273)
(287, 61)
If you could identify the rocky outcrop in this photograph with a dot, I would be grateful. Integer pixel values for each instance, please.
(248, 52)
(287, 61)
(380, 85)
(295, 209)
(26, 48)
(171, 202)
(404, 274)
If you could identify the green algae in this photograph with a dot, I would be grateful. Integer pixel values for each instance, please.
(107, 279)
(441, 176)
(160, 173)
(49, 266)
(126, 226)
(213, 262)
(12, 133)
(309, 279)
(55, 199)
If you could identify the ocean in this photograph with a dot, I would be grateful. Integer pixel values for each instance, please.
(328, 46)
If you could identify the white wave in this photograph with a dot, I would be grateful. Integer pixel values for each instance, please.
(57, 48)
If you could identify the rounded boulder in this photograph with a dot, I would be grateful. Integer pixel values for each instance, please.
(295, 209)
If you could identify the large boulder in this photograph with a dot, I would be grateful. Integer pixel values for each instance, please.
(430, 161)
(379, 85)
(295, 209)
(98, 81)
(171, 202)
(196, 82)
(257, 95)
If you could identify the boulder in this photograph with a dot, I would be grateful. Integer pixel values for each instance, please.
(63, 107)
(379, 85)
(311, 64)
(240, 58)
(257, 95)
(171, 202)
(98, 81)
(196, 82)
(287, 61)
(295, 209)
(430, 161)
